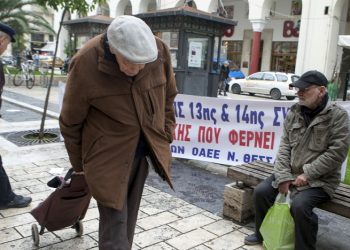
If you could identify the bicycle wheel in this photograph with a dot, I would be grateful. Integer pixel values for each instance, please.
(18, 78)
(30, 81)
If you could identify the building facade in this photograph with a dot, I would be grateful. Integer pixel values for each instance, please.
(285, 35)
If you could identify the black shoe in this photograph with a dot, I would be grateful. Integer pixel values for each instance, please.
(18, 202)
(252, 239)
(220, 93)
(0, 115)
(225, 94)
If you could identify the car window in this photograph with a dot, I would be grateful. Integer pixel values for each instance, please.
(269, 77)
(256, 76)
(281, 78)
(294, 78)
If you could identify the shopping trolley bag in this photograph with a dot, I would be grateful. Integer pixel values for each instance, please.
(64, 207)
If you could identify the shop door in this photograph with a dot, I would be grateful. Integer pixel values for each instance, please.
(197, 56)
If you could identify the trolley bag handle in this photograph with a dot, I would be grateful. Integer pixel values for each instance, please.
(59, 181)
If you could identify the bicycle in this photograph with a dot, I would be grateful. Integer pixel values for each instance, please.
(26, 73)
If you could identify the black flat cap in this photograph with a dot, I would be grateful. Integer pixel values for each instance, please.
(312, 77)
(9, 31)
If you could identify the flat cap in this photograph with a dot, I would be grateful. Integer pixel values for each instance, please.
(9, 31)
(133, 39)
(312, 77)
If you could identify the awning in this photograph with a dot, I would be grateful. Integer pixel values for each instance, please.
(344, 41)
(49, 47)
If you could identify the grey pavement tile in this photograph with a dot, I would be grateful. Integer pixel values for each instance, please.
(92, 213)
(213, 216)
(15, 172)
(148, 191)
(26, 183)
(229, 241)
(17, 220)
(16, 211)
(187, 210)
(138, 230)
(256, 247)
(143, 202)
(26, 229)
(156, 208)
(40, 175)
(40, 188)
(141, 215)
(27, 243)
(246, 231)
(191, 223)
(159, 197)
(154, 236)
(152, 189)
(38, 169)
(221, 227)
(41, 195)
(70, 233)
(22, 191)
(201, 247)
(160, 246)
(9, 234)
(191, 239)
(78, 243)
(156, 220)
(94, 235)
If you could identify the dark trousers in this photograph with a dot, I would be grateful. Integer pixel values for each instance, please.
(303, 202)
(6, 193)
(116, 228)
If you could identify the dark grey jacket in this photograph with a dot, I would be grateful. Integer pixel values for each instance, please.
(318, 150)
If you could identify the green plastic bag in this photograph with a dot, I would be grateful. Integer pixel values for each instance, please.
(277, 228)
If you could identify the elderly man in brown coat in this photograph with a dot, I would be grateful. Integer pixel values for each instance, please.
(118, 118)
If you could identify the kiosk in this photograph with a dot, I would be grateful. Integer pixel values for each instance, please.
(194, 39)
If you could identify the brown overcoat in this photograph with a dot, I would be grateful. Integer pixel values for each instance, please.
(104, 112)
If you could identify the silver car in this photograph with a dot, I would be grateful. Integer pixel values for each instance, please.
(275, 84)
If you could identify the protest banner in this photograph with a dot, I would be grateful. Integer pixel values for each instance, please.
(229, 131)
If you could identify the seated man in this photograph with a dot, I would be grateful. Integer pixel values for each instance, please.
(313, 146)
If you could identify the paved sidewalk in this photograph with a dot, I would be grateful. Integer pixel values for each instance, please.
(167, 220)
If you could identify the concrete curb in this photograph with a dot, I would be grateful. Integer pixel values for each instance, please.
(31, 107)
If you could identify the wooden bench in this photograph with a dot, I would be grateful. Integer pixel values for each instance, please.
(251, 174)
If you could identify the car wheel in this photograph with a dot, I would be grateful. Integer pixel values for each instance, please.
(290, 97)
(236, 89)
(275, 94)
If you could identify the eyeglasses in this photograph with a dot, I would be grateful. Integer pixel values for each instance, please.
(306, 89)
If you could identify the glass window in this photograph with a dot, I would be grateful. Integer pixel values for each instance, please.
(281, 78)
(269, 77)
(234, 52)
(171, 38)
(284, 56)
(197, 53)
(256, 76)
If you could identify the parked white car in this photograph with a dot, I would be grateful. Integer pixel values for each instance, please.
(275, 84)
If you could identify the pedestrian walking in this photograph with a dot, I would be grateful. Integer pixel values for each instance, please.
(223, 78)
(117, 119)
(314, 144)
(8, 199)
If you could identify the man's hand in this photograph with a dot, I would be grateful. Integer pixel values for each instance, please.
(284, 187)
(300, 181)
(79, 173)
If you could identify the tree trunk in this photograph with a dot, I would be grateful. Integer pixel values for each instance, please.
(42, 125)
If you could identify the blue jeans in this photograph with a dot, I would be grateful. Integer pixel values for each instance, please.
(303, 202)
